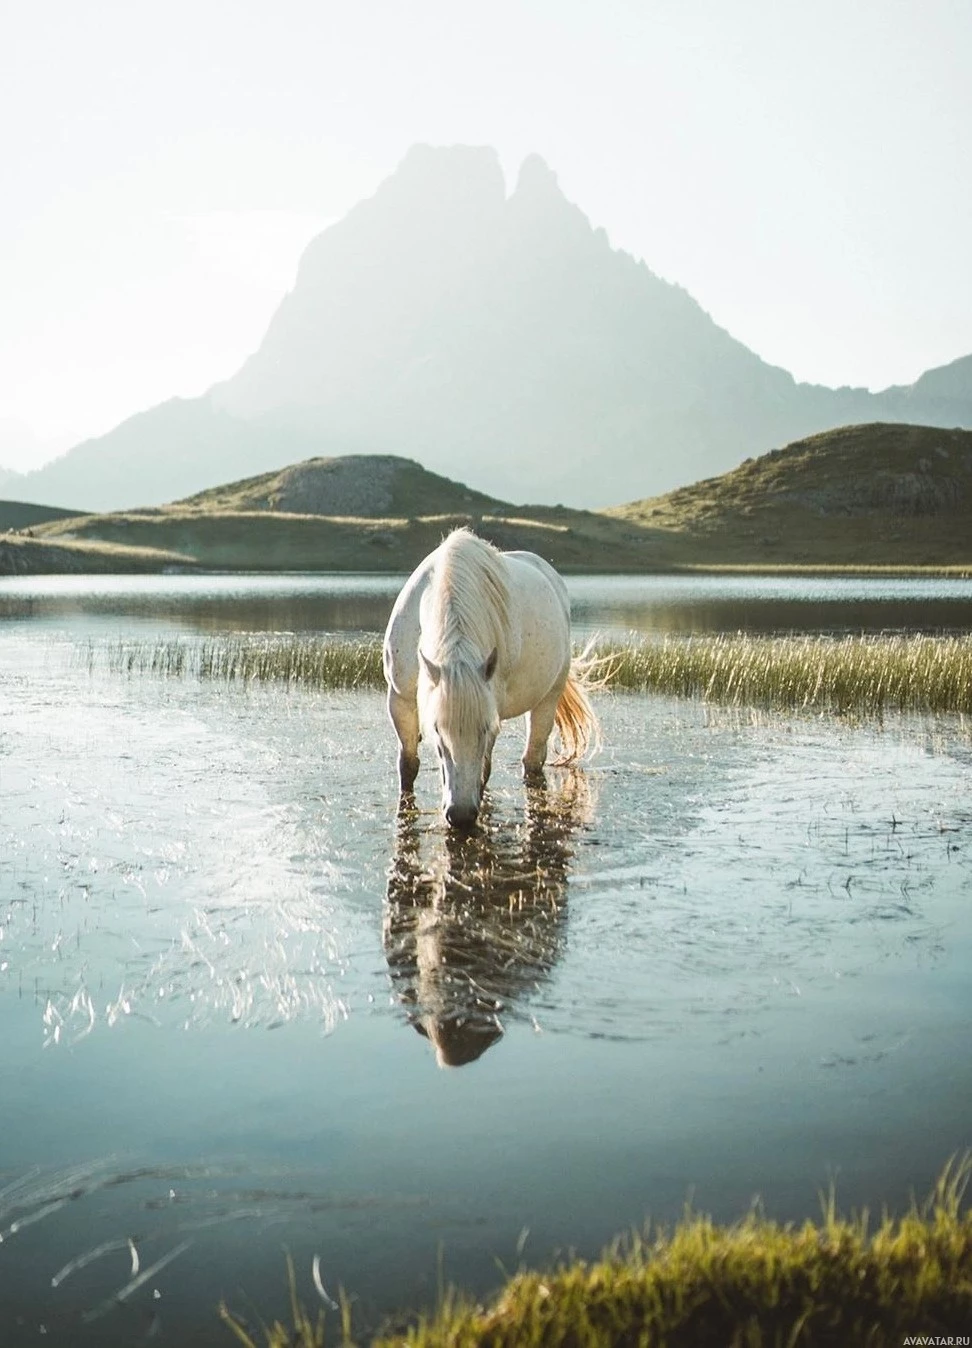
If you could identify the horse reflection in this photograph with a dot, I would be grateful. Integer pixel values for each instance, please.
(477, 925)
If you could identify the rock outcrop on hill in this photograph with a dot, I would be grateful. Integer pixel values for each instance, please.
(365, 486)
(495, 338)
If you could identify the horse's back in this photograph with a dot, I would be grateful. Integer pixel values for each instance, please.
(553, 578)
(540, 615)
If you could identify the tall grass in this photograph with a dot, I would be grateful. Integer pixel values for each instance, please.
(863, 675)
(830, 1284)
(867, 675)
(245, 657)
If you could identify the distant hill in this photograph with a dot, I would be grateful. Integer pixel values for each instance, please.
(497, 339)
(24, 514)
(361, 485)
(883, 495)
(359, 513)
(879, 494)
(947, 390)
(179, 447)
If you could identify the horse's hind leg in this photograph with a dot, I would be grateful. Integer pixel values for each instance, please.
(404, 717)
(540, 723)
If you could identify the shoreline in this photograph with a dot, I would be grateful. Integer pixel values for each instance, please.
(24, 556)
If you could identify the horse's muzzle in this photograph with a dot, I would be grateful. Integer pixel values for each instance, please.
(461, 816)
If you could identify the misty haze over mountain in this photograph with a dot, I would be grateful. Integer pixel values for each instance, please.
(495, 338)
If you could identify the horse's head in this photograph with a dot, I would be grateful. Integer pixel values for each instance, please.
(462, 719)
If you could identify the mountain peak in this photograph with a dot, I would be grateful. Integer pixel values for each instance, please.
(952, 381)
(494, 336)
(539, 208)
(536, 178)
(430, 173)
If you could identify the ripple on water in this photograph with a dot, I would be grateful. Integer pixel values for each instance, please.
(208, 853)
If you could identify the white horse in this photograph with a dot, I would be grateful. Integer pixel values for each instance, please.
(476, 637)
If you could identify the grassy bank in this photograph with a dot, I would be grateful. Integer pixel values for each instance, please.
(842, 675)
(830, 1284)
(259, 540)
(21, 555)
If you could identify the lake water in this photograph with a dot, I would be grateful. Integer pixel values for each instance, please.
(729, 958)
(299, 602)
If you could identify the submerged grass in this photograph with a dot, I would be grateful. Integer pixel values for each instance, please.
(314, 662)
(830, 1284)
(864, 675)
(305, 1333)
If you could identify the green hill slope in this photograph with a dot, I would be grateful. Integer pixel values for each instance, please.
(274, 541)
(880, 494)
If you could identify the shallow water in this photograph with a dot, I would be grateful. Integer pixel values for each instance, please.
(729, 958)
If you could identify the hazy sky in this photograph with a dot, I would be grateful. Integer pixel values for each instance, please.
(802, 168)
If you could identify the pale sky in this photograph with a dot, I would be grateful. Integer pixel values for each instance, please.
(803, 169)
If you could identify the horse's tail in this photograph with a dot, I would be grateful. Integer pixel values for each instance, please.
(576, 719)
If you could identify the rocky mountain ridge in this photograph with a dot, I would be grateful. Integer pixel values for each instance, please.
(495, 338)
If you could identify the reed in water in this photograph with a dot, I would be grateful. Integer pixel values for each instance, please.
(866, 675)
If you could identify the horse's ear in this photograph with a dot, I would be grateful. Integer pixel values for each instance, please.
(433, 670)
(489, 669)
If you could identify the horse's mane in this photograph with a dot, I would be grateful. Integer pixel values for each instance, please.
(469, 602)
(468, 616)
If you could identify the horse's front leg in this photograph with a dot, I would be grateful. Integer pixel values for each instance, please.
(540, 723)
(403, 711)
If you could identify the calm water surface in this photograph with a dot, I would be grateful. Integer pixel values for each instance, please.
(300, 602)
(249, 1007)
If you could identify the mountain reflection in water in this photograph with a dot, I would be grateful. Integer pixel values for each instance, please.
(474, 923)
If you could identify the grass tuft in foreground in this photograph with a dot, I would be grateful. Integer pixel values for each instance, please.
(831, 1284)
(863, 675)
(306, 1333)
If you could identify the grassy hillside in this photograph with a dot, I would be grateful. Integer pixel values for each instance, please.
(878, 494)
(362, 513)
(22, 556)
(264, 540)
